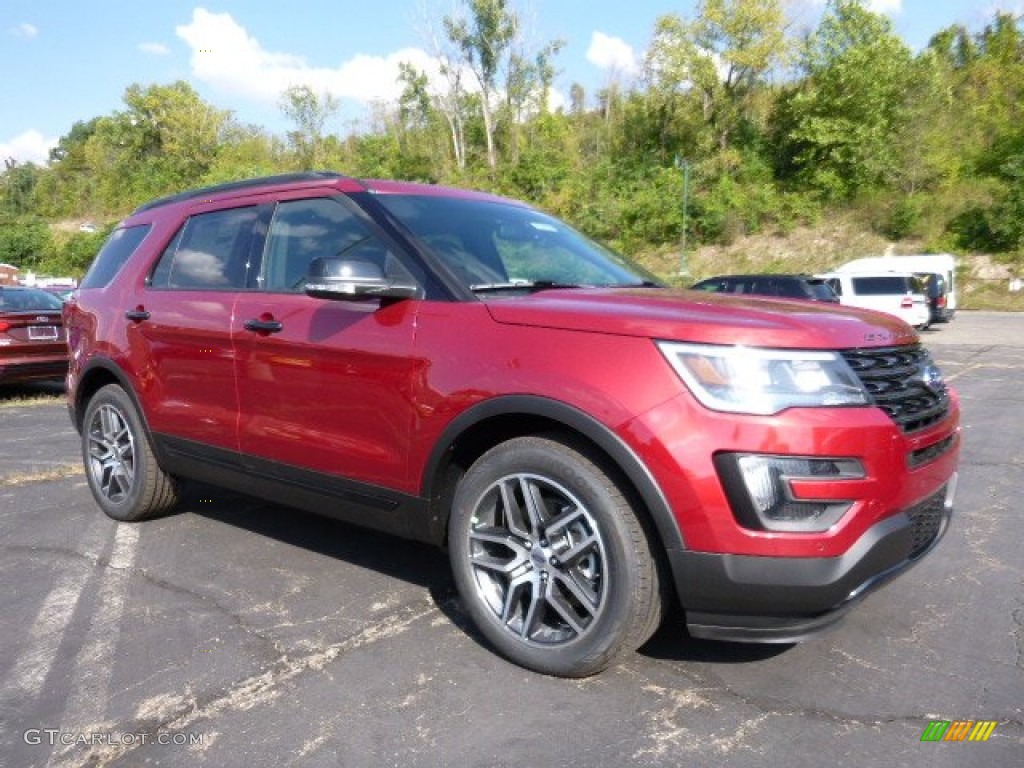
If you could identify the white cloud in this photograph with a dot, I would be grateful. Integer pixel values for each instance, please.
(612, 53)
(891, 7)
(28, 147)
(226, 56)
(157, 49)
(25, 30)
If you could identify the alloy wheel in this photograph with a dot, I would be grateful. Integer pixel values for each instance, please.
(111, 449)
(538, 560)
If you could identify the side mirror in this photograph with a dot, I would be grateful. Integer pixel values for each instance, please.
(348, 279)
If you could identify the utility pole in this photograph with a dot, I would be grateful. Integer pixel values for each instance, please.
(682, 162)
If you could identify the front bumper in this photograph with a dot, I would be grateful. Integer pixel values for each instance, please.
(746, 598)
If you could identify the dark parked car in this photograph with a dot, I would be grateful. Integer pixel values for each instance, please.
(780, 286)
(465, 370)
(32, 344)
(935, 291)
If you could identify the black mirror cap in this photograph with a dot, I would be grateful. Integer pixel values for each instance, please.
(348, 279)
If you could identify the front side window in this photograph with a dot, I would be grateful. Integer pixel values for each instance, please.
(303, 230)
(210, 252)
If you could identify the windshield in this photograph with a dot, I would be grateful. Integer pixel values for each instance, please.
(496, 247)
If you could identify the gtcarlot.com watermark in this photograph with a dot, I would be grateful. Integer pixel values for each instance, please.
(54, 737)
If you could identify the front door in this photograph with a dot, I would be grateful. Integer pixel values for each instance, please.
(324, 386)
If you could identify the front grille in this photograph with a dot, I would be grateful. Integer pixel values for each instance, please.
(903, 382)
(926, 520)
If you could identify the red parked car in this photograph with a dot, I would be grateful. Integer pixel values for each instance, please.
(462, 369)
(32, 345)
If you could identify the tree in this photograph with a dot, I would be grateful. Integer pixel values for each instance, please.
(164, 141)
(746, 39)
(851, 102)
(483, 40)
(310, 113)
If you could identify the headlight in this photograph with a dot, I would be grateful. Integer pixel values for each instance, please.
(763, 381)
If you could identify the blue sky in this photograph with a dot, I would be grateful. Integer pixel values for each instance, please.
(68, 60)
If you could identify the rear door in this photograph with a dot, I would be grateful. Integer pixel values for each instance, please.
(181, 329)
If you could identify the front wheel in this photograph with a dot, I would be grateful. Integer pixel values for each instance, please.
(550, 559)
(123, 474)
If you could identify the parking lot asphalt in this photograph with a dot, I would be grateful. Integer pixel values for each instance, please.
(238, 633)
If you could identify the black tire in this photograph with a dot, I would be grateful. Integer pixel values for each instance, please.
(123, 474)
(565, 585)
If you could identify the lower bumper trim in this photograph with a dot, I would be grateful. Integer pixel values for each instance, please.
(786, 600)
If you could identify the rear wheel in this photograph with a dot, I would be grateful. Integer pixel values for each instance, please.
(120, 466)
(551, 561)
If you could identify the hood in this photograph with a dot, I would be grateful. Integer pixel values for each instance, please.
(682, 315)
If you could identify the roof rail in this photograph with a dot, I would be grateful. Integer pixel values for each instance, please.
(232, 186)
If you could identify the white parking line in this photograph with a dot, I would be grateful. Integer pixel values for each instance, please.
(47, 631)
(89, 687)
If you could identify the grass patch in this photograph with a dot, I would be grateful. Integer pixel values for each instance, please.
(58, 472)
(22, 395)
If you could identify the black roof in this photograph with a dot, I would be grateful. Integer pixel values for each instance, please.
(233, 186)
(755, 275)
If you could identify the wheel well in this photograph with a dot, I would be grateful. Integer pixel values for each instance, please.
(89, 385)
(486, 434)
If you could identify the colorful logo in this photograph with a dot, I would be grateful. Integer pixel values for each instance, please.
(958, 730)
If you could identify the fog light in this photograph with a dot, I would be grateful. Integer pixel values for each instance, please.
(760, 491)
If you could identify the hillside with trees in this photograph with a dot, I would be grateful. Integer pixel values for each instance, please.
(769, 132)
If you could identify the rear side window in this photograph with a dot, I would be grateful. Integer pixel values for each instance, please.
(788, 289)
(881, 286)
(211, 252)
(113, 255)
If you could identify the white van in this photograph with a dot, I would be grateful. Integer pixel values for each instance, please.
(919, 263)
(897, 293)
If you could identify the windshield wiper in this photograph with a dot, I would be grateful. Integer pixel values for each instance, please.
(641, 284)
(520, 285)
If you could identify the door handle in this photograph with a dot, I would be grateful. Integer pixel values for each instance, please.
(137, 315)
(263, 326)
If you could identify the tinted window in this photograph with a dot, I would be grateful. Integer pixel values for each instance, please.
(112, 256)
(790, 289)
(27, 299)
(303, 230)
(211, 252)
(881, 286)
(711, 285)
(935, 285)
(820, 290)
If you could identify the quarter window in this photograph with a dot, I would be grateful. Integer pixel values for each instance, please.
(112, 256)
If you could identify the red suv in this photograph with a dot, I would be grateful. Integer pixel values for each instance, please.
(464, 370)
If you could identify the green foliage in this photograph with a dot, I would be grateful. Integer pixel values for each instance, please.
(310, 113)
(24, 240)
(925, 146)
(846, 112)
